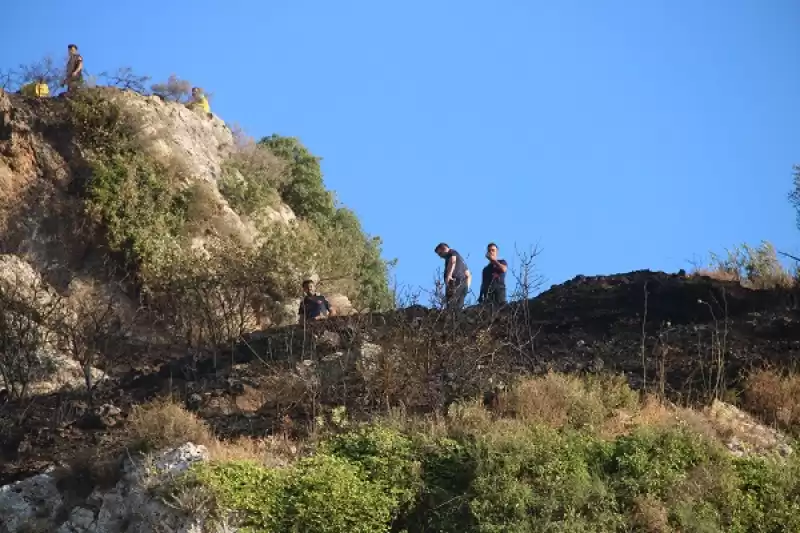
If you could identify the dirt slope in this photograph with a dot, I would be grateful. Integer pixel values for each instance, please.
(587, 324)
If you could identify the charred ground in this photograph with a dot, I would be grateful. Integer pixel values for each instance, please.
(696, 337)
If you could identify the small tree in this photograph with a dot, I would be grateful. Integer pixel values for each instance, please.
(9, 79)
(28, 310)
(125, 78)
(45, 69)
(794, 196)
(93, 328)
(173, 90)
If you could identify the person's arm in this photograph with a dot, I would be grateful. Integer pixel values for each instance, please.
(330, 309)
(78, 66)
(451, 265)
(501, 264)
(469, 278)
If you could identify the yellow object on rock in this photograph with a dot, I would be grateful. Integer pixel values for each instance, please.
(39, 90)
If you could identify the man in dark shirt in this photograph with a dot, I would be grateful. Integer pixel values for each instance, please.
(313, 306)
(74, 71)
(457, 276)
(493, 281)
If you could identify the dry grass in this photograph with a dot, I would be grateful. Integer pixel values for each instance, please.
(165, 424)
(560, 400)
(717, 274)
(650, 515)
(774, 280)
(775, 397)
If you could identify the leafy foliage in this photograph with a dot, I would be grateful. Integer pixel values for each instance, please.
(251, 178)
(304, 191)
(474, 473)
(322, 493)
(353, 255)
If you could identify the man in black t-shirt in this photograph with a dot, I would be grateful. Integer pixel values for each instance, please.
(313, 306)
(457, 276)
(493, 280)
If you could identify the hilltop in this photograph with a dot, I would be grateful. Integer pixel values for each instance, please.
(151, 263)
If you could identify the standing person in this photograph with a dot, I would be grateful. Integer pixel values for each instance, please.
(313, 306)
(493, 280)
(74, 71)
(457, 277)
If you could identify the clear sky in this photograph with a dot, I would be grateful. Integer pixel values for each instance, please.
(618, 135)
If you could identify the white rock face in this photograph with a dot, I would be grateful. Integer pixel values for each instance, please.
(130, 507)
(202, 142)
(24, 501)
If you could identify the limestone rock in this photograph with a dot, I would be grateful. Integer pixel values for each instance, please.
(341, 305)
(746, 435)
(35, 498)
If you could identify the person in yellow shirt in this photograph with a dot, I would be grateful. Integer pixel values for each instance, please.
(199, 101)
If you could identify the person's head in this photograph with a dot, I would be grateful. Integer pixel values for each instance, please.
(491, 249)
(73, 48)
(308, 286)
(441, 249)
(196, 91)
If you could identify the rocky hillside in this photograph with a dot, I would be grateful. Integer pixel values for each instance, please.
(688, 340)
(165, 224)
(153, 373)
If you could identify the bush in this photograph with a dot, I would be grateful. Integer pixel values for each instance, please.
(304, 190)
(387, 456)
(129, 194)
(775, 397)
(756, 268)
(321, 493)
(252, 177)
(28, 312)
(173, 90)
(163, 424)
(131, 198)
(560, 400)
(513, 475)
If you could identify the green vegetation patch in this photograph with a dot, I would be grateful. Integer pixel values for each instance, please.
(512, 476)
(129, 194)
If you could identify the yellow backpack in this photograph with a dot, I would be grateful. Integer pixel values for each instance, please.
(39, 90)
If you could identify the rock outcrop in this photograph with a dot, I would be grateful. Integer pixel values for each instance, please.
(129, 507)
(43, 166)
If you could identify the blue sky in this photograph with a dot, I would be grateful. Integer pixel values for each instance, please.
(616, 135)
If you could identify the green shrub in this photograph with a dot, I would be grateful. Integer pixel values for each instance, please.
(649, 462)
(328, 494)
(324, 493)
(386, 455)
(537, 479)
(129, 194)
(350, 256)
(131, 198)
(254, 493)
(304, 190)
(251, 178)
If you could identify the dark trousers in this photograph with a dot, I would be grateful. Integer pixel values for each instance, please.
(495, 295)
(455, 293)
